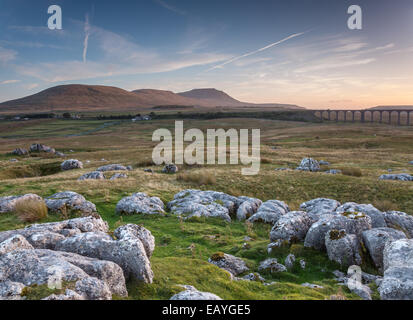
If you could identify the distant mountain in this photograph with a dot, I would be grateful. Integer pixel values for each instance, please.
(392, 108)
(89, 98)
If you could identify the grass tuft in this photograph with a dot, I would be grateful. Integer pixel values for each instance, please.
(31, 210)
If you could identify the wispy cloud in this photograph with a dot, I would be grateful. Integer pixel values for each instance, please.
(9, 81)
(219, 66)
(7, 55)
(86, 39)
(170, 7)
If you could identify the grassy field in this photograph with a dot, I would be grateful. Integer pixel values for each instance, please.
(182, 248)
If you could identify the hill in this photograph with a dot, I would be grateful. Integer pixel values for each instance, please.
(392, 108)
(91, 98)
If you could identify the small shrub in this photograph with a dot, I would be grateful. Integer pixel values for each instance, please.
(31, 210)
(353, 172)
(202, 178)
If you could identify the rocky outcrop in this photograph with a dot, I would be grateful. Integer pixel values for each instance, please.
(375, 240)
(400, 177)
(343, 248)
(377, 217)
(289, 261)
(117, 176)
(129, 252)
(192, 293)
(270, 212)
(8, 204)
(291, 227)
(140, 203)
(352, 223)
(316, 208)
(247, 208)
(232, 264)
(71, 164)
(69, 203)
(401, 221)
(94, 175)
(112, 167)
(308, 164)
(195, 203)
(37, 147)
(397, 281)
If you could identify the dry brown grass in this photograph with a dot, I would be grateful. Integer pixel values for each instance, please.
(353, 172)
(199, 178)
(31, 210)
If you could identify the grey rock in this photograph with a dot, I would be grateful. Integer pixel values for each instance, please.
(71, 164)
(291, 227)
(45, 240)
(140, 203)
(302, 264)
(319, 207)
(289, 261)
(312, 286)
(333, 171)
(117, 176)
(134, 231)
(308, 164)
(269, 212)
(283, 169)
(362, 291)
(60, 154)
(377, 217)
(343, 248)
(401, 221)
(8, 203)
(323, 163)
(397, 281)
(376, 239)
(351, 223)
(247, 207)
(232, 264)
(170, 169)
(112, 167)
(94, 175)
(193, 294)
(20, 152)
(93, 289)
(253, 277)
(16, 242)
(129, 252)
(10, 290)
(271, 265)
(37, 147)
(400, 177)
(70, 202)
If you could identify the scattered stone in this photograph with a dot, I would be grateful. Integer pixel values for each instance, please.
(319, 207)
(291, 227)
(94, 175)
(274, 245)
(308, 164)
(375, 241)
(129, 168)
(117, 176)
(140, 203)
(283, 169)
(68, 203)
(355, 285)
(377, 217)
(270, 212)
(343, 248)
(289, 261)
(20, 152)
(233, 265)
(71, 164)
(253, 277)
(60, 154)
(323, 163)
(170, 169)
(333, 171)
(271, 265)
(14, 160)
(112, 167)
(148, 170)
(195, 203)
(193, 294)
(302, 264)
(8, 203)
(312, 286)
(401, 221)
(36, 147)
(397, 281)
(400, 177)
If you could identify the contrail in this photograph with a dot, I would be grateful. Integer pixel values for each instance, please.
(256, 51)
(86, 40)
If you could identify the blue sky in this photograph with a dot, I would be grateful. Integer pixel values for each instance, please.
(296, 51)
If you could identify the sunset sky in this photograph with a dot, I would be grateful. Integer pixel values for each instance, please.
(296, 51)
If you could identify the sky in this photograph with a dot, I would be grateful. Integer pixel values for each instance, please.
(297, 51)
